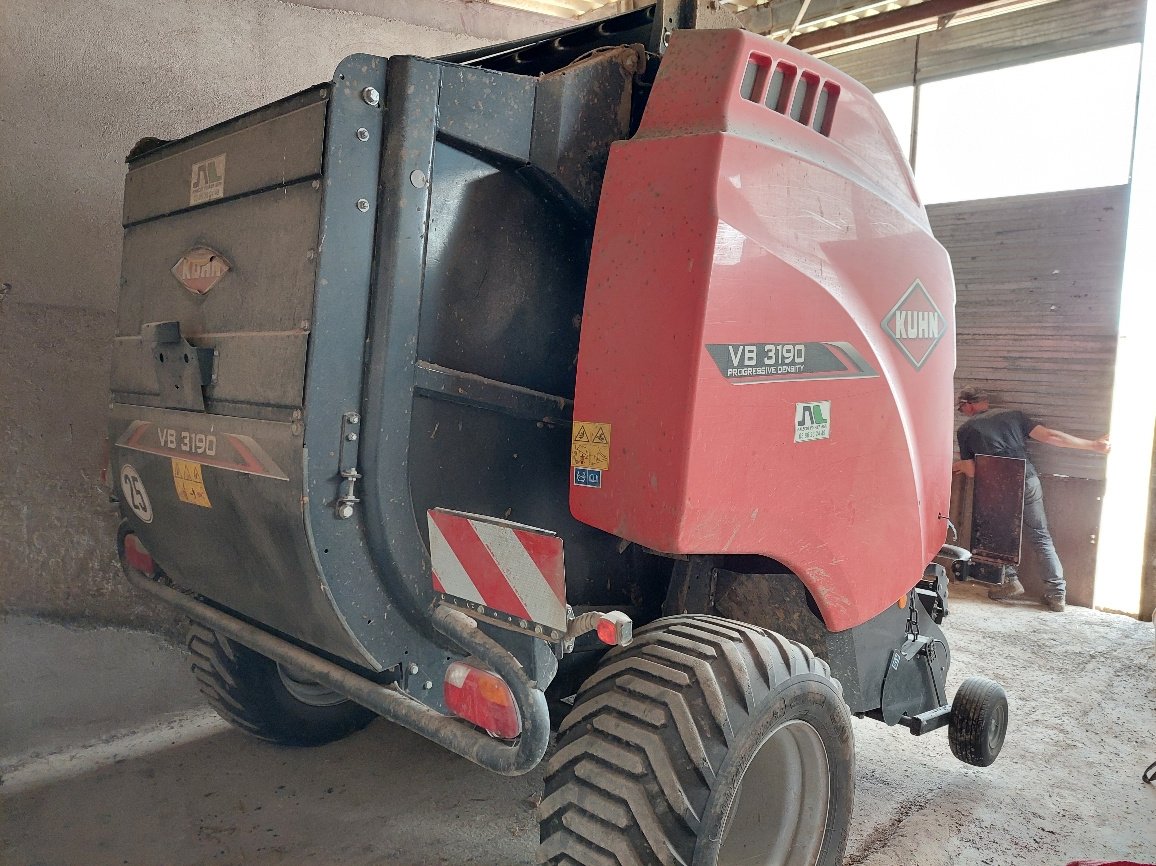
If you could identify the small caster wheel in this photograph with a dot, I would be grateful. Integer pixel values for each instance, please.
(978, 721)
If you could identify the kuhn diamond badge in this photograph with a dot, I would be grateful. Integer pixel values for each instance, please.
(200, 269)
(915, 324)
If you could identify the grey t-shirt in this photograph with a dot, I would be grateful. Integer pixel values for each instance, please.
(1001, 432)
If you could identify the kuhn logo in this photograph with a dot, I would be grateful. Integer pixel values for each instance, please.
(915, 324)
(200, 269)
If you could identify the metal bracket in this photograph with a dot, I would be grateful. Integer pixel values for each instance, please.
(347, 466)
(182, 369)
(924, 723)
(913, 647)
(905, 689)
(671, 15)
(692, 586)
(932, 591)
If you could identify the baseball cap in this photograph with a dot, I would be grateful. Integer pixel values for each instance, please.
(972, 394)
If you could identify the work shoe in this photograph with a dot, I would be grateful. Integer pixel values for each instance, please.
(1055, 603)
(1012, 589)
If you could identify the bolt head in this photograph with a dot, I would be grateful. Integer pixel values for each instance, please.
(413, 668)
(427, 685)
(345, 511)
(354, 418)
(362, 205)
(350, 436)
(363, 134)
(371, 96)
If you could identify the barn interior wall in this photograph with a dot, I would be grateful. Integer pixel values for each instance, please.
(1037, 308)
(80, 83)
(1038, 277)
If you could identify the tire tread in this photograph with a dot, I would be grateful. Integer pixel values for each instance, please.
(971, 708)
(648, 732)
(244, 689)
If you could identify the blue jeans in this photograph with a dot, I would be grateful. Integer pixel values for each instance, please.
(1035, 533)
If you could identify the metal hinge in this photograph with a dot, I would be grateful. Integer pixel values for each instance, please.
(347, 466)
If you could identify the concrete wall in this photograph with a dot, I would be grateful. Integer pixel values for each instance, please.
(80, 83)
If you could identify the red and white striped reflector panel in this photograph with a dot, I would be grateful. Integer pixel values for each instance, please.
(507, 568)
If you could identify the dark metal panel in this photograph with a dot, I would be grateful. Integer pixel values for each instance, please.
(270, 242)
(1038, 284)
(487, 111)
(250, 368)
(505, 275)
(484, 462)
(258, 368)
(998, 508)
(481, 393)
(579, 112)
(249, 519)
(271, 147)
(337, 356)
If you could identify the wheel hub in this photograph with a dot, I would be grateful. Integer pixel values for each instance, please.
(779, 814)
(308, 691)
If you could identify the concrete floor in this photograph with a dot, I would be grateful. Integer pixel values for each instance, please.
(108, 757)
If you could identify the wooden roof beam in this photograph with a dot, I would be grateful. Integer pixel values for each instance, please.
(898, 24)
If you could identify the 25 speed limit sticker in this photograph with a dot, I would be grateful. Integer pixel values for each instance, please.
(134, 493)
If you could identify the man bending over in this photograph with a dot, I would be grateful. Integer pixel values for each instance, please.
(1004, 433)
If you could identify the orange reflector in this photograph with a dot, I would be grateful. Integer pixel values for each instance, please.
(136, 556)
(482, 697)
(902, 602)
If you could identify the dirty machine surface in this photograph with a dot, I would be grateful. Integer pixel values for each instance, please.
(599, 384)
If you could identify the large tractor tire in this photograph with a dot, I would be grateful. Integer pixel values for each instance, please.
(264, 699)
(706, 742)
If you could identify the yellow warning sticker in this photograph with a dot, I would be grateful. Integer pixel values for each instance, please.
(590, 445)
(190, 484)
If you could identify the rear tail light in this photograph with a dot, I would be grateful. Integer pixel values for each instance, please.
(482, 697)
(137, 556)
(615, 629)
